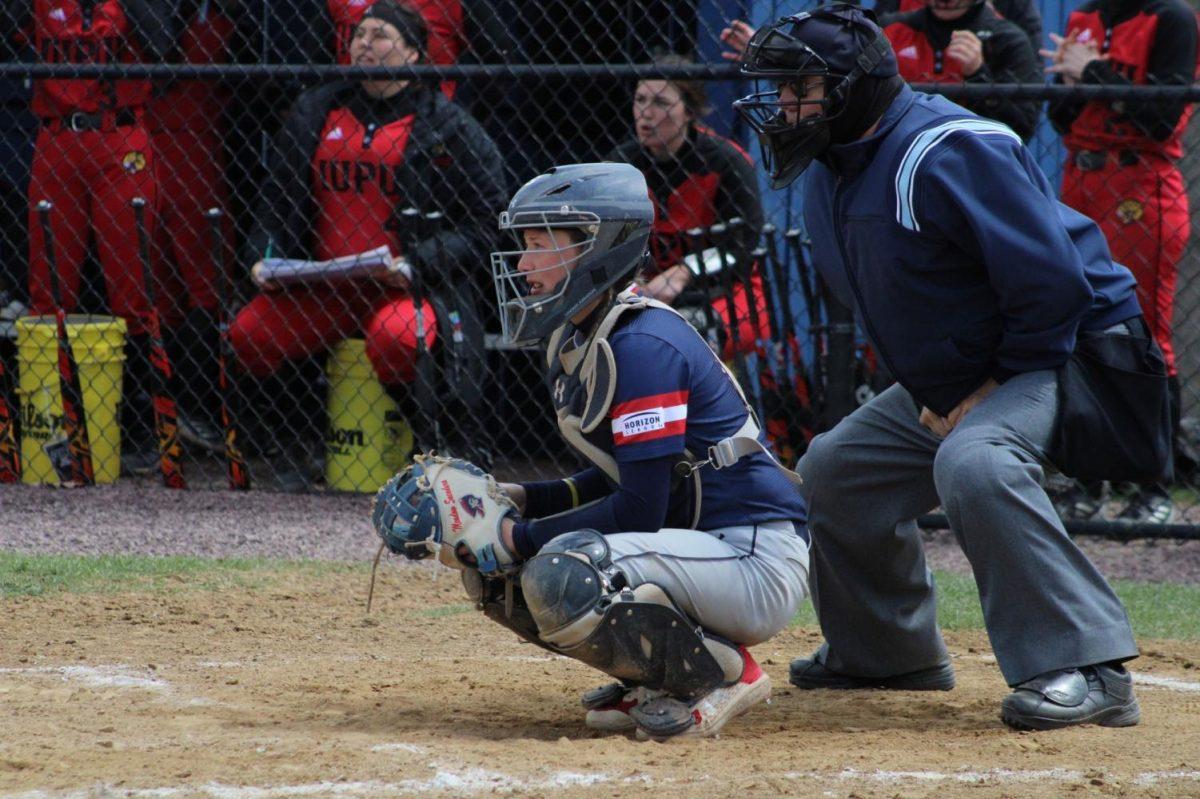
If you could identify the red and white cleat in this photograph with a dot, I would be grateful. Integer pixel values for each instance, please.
(664, 717)
(608, 706)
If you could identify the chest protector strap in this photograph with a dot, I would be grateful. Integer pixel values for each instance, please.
(591, 367)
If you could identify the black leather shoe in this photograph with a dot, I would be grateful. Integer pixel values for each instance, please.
(807, 673)
(1090, 695)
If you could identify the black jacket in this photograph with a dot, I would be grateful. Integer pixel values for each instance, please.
(450, 165)
(1007, 58)
(682, 180)
(1022, 13)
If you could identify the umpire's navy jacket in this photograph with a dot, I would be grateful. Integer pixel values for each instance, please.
(945, 235)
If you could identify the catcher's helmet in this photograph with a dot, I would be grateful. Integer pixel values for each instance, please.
(610, 204)
(840, 44)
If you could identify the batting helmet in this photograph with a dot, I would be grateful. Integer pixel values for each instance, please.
(610, 205)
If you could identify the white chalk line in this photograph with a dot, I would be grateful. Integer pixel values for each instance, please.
(399, 747)
(461, 782)
(1148, 680)
(1169, 683)
(116, 676)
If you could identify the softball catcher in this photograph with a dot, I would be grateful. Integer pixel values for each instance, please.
(684, 541)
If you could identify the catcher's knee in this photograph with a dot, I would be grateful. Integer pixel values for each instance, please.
(584, 609)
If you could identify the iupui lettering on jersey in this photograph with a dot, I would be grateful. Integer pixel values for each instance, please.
(64, 34)
(356, 184)
(650, 418)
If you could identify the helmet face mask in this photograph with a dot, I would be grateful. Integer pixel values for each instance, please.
(778, 55)
(513, 286)
(609, 205)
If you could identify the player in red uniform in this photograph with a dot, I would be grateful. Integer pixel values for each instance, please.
(185, 119)
(92, 156)
(444, 19)
(1121, 161)
(1023, 13)
(966, 41)
(696, 178)
(350, 158)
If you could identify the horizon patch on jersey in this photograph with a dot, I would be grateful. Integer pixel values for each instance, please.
(1130, 211)
(907, 52)
(335, 134)
(650, 418)
(58, 15)
(134, 161)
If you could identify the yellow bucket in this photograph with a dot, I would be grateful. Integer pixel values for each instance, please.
(368, 440)
(98, 343)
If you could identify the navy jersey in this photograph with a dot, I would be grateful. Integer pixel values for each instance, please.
(672, 394)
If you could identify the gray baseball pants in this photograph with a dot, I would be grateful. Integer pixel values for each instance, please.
(1045, 605)
(744, 583)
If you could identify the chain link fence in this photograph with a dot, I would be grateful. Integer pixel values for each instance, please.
(269, 221)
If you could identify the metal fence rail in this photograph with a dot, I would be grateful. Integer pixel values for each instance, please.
(330, 385)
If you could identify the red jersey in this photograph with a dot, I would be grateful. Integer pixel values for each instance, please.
(918, 60)
(354, 184)
(1128, 44)
(64, 34)
(192, 104)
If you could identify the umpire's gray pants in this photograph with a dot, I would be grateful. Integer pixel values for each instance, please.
(866, 480)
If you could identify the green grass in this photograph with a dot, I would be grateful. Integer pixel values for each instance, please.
(1158, 610)
(37, 575)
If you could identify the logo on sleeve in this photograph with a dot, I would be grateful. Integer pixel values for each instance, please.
(643, 422)
(650, 418)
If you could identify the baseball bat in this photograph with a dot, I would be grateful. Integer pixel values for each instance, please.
(742, 267)
(425, 380)
(10, 455)
(235, 462)
(806, 386)
(79, 448)
(696, 239)
(166, 417)
(717, 235)
(816, 330)
(435, 220)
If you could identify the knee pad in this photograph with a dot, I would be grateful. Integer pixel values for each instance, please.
(584, 610)
(501, 600)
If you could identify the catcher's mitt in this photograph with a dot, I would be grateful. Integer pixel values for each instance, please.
(445, 507)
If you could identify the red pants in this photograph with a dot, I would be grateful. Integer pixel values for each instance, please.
(90, 177)
(279, 326)
(1143, 212)
(191, 180)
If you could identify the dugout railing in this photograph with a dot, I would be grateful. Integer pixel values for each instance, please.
(803, 346)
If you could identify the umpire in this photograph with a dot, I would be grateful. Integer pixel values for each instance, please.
(973, 283)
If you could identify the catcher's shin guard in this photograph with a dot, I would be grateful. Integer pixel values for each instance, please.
(501, 600)
(584, 610)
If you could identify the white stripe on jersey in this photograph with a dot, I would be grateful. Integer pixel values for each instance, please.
(924, 142)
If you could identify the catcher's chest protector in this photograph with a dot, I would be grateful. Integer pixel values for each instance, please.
(583, 377)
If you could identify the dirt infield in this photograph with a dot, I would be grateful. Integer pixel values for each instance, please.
(289, 689)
